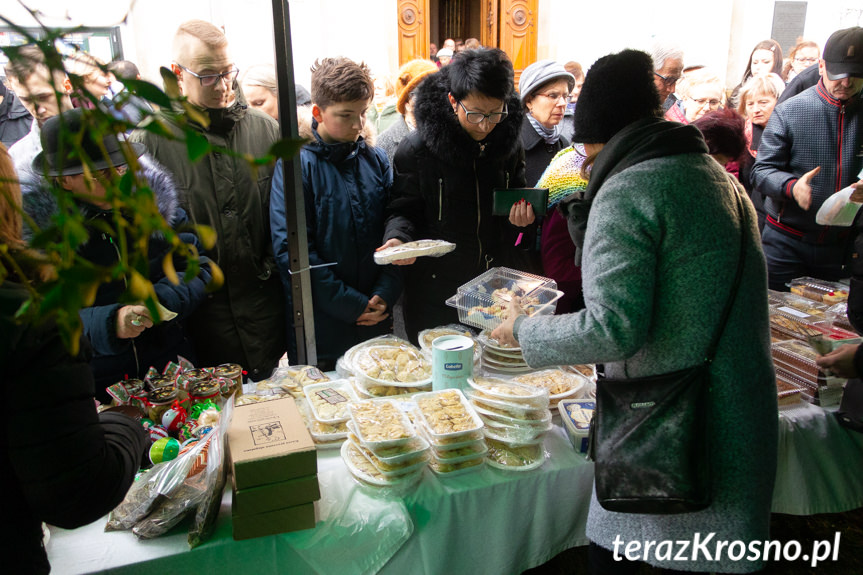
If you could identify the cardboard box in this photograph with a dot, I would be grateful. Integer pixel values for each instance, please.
(275, 496)
(278, 521)
(269, 443)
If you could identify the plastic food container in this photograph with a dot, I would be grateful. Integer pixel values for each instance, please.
(559, 383)
(389, 362)
(439, 410)
(463, 452)
(819, 290)
(509, 408)
(799, 359)
(415, 249)
(539, 418)
(576, 415)
(444, 469)
(514, 434)
(370, 389)
(788, 391)
(380, 423)
(391, 470)
(329, 400)
(496, 388)
(482, 302)
(413, 449)
(487, 342)
(788, 300)
(362, 469)
(526, 457)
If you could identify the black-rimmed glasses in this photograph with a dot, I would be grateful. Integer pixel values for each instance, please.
(211, 79)
(669, 81)
(479, 117)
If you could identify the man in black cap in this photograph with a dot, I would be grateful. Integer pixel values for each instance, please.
(810, 150)
(125, 339)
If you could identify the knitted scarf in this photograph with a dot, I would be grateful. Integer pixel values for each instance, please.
(549, 136)
(642, 140)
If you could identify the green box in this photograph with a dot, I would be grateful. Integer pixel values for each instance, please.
(272, 522)
(269, 443)
(275, 496)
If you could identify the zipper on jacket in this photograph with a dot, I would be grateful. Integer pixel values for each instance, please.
(478, 213)
(440, 199)
(839, 151)
(507, 179)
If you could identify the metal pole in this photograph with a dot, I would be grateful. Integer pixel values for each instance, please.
(295, 210)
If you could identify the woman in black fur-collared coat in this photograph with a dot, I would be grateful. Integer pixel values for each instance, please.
(445, 174)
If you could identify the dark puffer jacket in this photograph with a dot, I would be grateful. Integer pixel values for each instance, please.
(346, 188)
(443, 189)
(244, 321)
(113, 358)
(60, 461)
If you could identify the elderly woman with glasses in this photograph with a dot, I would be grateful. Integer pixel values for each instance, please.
(703, 92)
(544, 89)
(465, 146)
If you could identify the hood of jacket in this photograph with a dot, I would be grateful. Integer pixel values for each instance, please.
(40, 202)
(307, 128)
(443, 135)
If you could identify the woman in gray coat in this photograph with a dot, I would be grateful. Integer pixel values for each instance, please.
(660, 233)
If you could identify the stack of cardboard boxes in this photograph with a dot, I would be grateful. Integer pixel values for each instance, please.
(274, 468)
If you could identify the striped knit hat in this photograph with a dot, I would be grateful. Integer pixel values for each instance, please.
(562, 177)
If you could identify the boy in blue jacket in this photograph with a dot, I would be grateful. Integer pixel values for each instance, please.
(346, 184)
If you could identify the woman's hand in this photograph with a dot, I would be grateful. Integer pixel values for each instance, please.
(391, 243)
(521, 214)
(132, 320)
(503, 333)
(840, 361)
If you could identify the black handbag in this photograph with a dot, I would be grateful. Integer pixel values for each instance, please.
(649, 437)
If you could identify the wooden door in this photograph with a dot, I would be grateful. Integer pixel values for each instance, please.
(489, 25)
(518, 19)
(413, 30)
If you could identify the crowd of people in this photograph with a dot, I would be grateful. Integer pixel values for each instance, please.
(644, 158)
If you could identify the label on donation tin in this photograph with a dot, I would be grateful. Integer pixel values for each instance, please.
(452, 361)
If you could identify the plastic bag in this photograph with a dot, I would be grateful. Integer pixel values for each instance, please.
(171, 509)
(216, 477)
(838, 210)
(151, 489)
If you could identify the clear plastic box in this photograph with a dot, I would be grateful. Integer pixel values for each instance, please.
(483, 301)
(539, 418)
(329, 400)
(391, 470)
(413, 449)
(799, 359)
(380, 423)
(514, 434)
(788, 391)
(559, 383)
(431, 405)
(443, 469)
(506, 390)
(517, 410)
(363, 470)
(819, 290)
(389, 361)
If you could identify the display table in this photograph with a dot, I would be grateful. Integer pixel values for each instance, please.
(487, 521)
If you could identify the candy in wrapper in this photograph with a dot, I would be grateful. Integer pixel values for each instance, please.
(208, 417)
(164, 449)
(151, 374)
(186, 431)
(147, 423)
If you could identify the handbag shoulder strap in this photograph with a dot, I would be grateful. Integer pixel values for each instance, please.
(714, 345)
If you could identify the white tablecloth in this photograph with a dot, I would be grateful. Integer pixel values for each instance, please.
(484, 522)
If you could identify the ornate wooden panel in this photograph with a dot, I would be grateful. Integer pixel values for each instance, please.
(489, 24)
(413, 29)
(518, 20)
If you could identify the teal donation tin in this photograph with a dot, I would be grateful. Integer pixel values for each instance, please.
(452, 361)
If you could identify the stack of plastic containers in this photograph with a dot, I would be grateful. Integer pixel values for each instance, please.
(795, 366)
(383, 448)
(327, 403)
(516, 418)
(454, 430)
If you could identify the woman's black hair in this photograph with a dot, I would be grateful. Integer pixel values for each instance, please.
(487, 71)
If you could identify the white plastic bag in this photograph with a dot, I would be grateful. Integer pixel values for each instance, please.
(838, 210)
